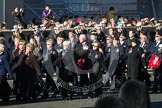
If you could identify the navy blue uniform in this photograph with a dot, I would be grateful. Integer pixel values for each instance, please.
(4, 87)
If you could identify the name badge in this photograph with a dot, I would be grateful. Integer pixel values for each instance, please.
(117, 50)
(85, 47)
(96, 56)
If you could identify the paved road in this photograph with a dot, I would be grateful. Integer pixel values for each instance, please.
(156, 100)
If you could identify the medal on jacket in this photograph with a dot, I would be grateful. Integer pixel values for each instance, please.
(96, 56)
(109, 49)
(117, 50)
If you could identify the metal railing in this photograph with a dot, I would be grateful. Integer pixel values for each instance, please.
(144, 28)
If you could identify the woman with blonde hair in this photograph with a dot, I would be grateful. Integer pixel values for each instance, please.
(37, 51)
(30, 71)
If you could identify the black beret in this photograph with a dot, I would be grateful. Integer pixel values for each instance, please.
(135, 40)
(159, 32)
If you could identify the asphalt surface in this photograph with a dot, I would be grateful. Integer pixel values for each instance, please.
(76, 102)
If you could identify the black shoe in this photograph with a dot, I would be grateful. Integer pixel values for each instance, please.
(55, 93)
(154, 91)
(64, 98)
(44, 96)
(18, 98)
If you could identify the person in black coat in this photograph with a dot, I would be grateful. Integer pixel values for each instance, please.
(101, 36)
(30, 71)
(156, 50)
(5, 90)
(136, 60)
(145, 45)
(132, 35)
(67, 71)
(95, 74)
(81, 52)
(15, 55)
(50, 57)
(106, 50)
(18, 14)
(117, 63)
(59, 39)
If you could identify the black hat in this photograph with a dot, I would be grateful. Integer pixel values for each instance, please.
(135, 40)
(159, 32)
(109, 37)
(61, 35)
(116, 36)
(122, 34)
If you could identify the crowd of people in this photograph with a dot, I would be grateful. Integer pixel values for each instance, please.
(80, 50)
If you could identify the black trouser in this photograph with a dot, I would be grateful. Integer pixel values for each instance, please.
(27, 82)
(68, 77)
(16, 83)
(93, 80)
(84, 80)
(5, 89)
(50, 83)
(157, 79)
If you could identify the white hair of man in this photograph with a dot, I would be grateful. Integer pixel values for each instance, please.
(2, 46)
(82, 36)
(67, 43)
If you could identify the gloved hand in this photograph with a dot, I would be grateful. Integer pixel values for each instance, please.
(10, 77)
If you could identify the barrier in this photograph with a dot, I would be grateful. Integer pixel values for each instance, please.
(145, 28)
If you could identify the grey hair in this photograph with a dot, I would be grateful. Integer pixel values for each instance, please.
(66, 43)
(82, 36)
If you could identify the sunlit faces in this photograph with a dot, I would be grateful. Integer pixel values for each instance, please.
(157, 38)
(108, 40)
(31, 41)
(143, 38)
(60, 40)
(22, 45)
(49, 44)
(16, 9)
(111, 31)
(115, 42)
(131, 34)
(66, 45)
(28, 49)
(93, 37)
(47, 8)
(16, 40)
(121, 38)
(95, 46)
(82, 38)
(134, 44)
(71, 35)
(1, 48)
